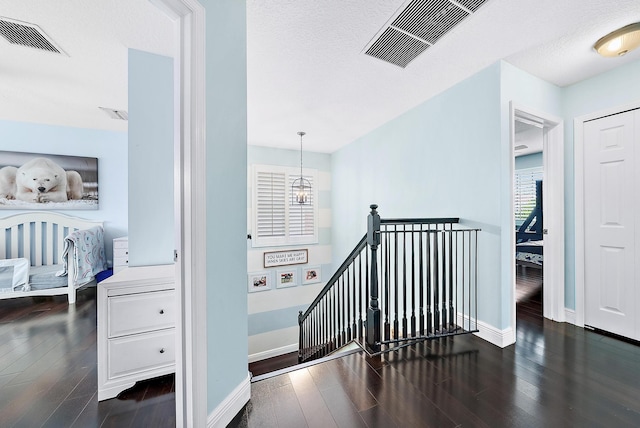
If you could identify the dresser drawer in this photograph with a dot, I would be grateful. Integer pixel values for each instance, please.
(137, 313)
(121, 253)
(120, 261)
(141, 352)
(120, 243)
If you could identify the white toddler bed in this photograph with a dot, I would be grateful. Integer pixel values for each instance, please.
(61, 254)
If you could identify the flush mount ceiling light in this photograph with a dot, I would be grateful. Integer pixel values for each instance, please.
(619, 42)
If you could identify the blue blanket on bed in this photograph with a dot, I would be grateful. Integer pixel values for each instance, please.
(87, 249)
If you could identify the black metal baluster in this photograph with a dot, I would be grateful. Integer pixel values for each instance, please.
(300, 338)
(475, 282)
(443, 297)
(348, 306)
(336, 309)
(396, 329)
(354, 301)
(404, 281)
(456, 273)
(359, 334)
(451, 323)
(321, 310)
(464, 313)
(314, 338)
(421, 283)
(436, 285)
(343, 306)
(429, 283)
(387, 290)
(413, 283)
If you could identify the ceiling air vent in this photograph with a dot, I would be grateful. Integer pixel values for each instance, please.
(417, 26)
(396, 47)
(115, 114)
(25, 34)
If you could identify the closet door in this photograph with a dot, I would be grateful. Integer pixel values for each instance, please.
(611, 220)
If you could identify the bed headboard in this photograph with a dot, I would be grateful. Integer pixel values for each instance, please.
(38, 236)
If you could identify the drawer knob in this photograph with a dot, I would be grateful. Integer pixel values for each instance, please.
(161, 311)
(162, 351)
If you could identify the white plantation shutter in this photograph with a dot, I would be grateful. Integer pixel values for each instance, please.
(277, 218)
(301, 217)
(271, 196)
(525, 192)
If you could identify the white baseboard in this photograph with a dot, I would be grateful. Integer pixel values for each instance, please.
(570, 316)
(273, 352)
(491, 334)
(230, 406)
(500, 338)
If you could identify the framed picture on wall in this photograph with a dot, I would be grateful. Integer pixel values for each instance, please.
(286, 278)
(37, 181)
(311, 274)
(260, 281)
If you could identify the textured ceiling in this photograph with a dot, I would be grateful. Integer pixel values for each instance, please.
(306, 66)
(307, 70)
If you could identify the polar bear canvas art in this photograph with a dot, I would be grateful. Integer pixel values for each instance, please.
(43, 181)
(40, 180)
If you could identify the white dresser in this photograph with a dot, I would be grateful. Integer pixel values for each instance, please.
(136, 327)
(120, 253)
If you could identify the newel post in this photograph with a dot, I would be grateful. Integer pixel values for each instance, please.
(373, 312)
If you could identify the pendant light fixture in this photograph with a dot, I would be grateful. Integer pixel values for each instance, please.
(619, 42)
(301, 187)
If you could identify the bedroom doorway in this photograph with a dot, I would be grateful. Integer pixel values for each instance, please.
(542, 267)
(529, 214)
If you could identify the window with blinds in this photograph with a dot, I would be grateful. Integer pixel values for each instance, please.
(525, 192)
(278, 218)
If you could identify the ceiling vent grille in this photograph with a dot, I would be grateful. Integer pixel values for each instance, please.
(115, 114)
(418, 26)
(396, 47)
(25, 34)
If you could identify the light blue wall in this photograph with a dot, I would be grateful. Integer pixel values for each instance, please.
(532, 160)
(151, 224)
(226, 137)
(110, 147)
(608, 90)
(440, 159)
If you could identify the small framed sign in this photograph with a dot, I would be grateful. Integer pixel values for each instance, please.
(285, 258)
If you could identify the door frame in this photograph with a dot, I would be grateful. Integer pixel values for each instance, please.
(189, 211)
(553, 195)
(578, 132)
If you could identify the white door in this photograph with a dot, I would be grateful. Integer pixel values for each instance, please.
(611, 220)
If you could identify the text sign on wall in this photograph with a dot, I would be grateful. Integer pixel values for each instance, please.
(283, 258)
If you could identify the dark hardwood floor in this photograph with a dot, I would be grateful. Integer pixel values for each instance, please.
(48, 372)
(556, 375)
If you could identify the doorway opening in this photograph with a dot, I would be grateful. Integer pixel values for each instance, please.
(540, 269)
(529, 214)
